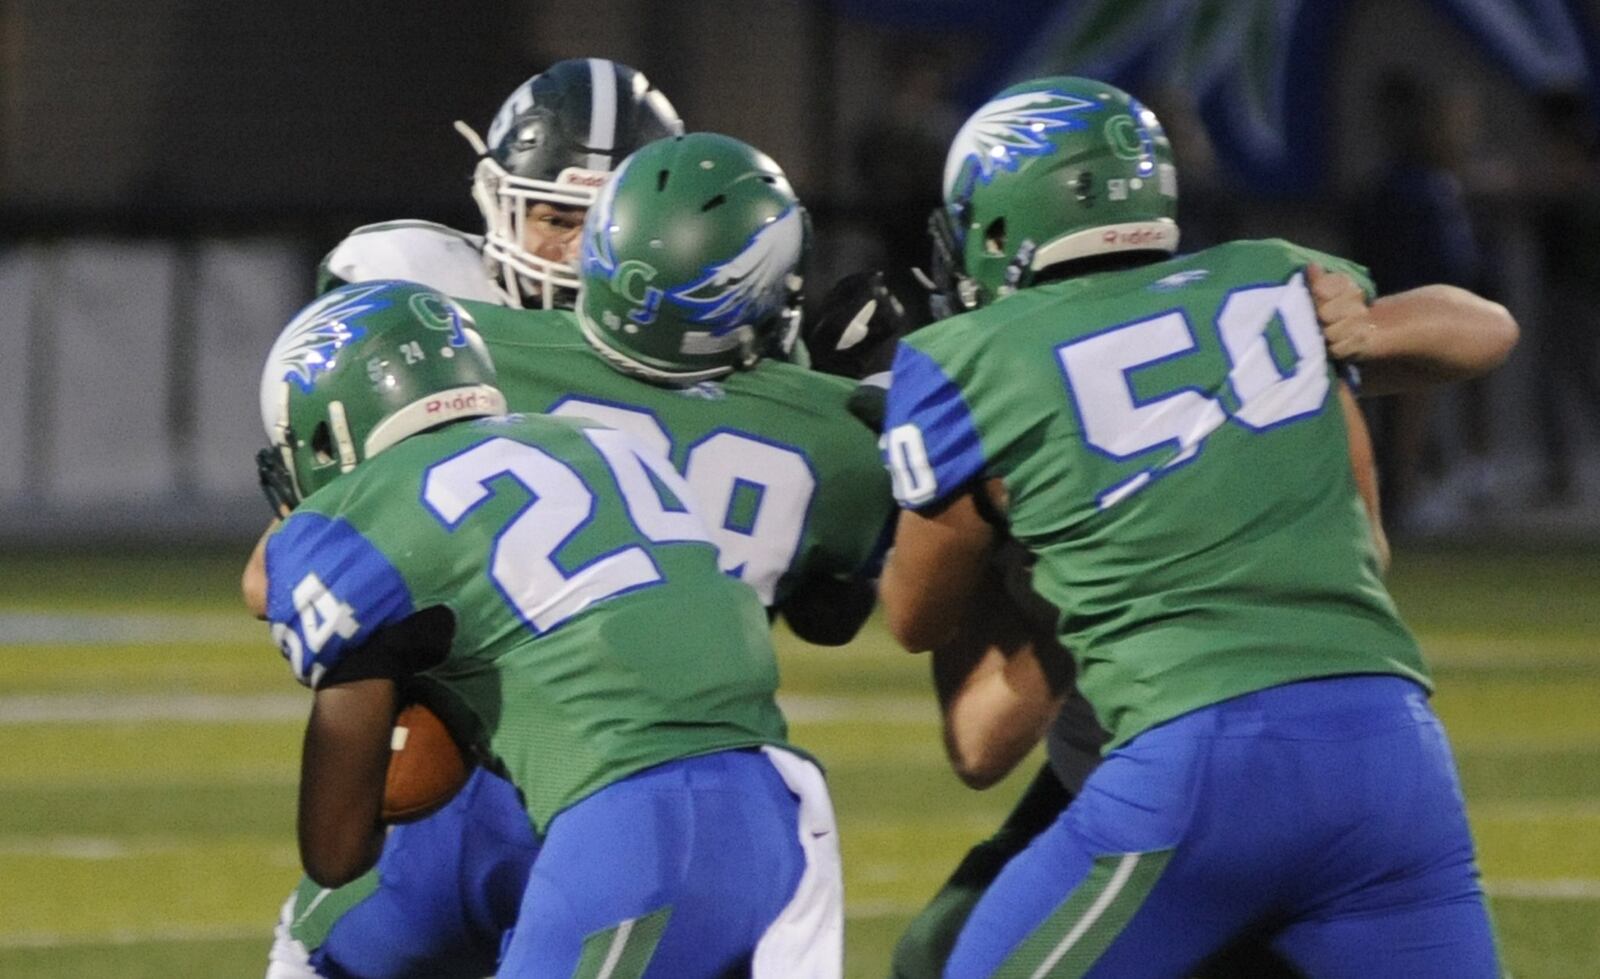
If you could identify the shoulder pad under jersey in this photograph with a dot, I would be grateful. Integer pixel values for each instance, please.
(418, 251)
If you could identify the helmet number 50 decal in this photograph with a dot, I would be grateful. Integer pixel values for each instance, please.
(1117, 424)
(756, 494)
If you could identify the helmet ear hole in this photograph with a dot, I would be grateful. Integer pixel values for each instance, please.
(994, 237)
(714, 202)
(661, 179)
(322, 444)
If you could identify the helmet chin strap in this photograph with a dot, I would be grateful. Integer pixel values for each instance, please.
(1019, 271)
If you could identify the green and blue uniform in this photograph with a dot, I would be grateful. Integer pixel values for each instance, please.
(798, 494)
(597, 658)
(1173, 454)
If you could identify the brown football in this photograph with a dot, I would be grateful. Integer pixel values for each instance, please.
(426, 766)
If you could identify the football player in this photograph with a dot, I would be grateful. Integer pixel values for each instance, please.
(541, 162)
(1168, 441)
(698, 247)
(994, 704)
(553, 590)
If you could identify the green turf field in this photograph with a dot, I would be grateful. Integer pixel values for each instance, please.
(151, 740)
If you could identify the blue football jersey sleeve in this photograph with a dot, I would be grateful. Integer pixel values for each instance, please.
(930, 441)
(328, 590)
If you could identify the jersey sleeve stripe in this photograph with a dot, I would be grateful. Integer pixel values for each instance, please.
(922, 396)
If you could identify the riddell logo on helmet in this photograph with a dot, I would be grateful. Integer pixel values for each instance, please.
(1139, 236)
(460, 402)
(581, 178)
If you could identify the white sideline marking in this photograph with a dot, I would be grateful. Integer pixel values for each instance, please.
(1546, 888)
(94, 848)
(1537, 810)
(102, 708)
(136, 936)
(814, 709)
(124, 629)
(293, 705)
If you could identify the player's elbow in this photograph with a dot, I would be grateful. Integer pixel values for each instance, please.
(253, 589)
(1501, 334)
(917, 619)
(333, 865)
(977, 762)
(327, 870)
(253, 580)
(916, 629)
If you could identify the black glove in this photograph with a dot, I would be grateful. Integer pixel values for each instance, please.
(869, 402)
(276, 483)
(862, 318)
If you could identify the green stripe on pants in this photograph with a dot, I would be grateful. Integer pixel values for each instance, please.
(317, 909)
(1068, 942)
(623, 951)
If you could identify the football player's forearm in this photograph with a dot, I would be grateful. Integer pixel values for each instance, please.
(1434, 334)
(343, 766)
(937, 564)
(999, 711)
(995, 697)
(1364, 467)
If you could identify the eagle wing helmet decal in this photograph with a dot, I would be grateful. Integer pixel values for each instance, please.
(751, 284)
(1008, 129)
(308, 347)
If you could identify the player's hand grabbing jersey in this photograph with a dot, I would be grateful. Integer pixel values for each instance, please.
(592, 635)
(1195, 517)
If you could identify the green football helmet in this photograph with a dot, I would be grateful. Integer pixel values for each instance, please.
(690, 263)
(1046, 172)
(363, 367)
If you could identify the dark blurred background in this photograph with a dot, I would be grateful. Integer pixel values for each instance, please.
(172, 170)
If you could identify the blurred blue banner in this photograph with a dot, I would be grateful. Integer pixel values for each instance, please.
(1256, 69)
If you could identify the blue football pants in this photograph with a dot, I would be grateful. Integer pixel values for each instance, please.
(448, 889)
(676, 872)
(1326, 814)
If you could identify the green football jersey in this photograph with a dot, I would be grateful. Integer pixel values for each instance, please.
(793, 484)
(594, 634)
(1175, 456)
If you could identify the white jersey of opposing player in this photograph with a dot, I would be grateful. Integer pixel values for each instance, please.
(441, 258)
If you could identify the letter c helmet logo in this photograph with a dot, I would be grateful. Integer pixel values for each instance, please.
(631, 282)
